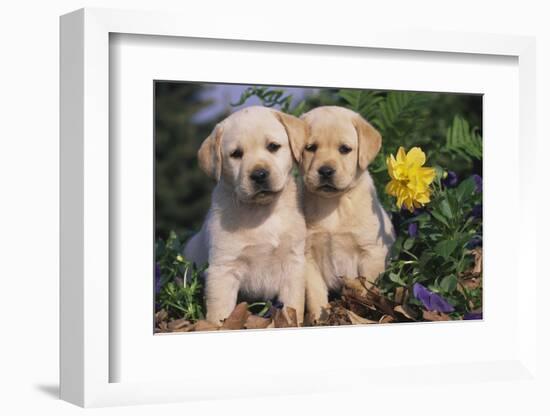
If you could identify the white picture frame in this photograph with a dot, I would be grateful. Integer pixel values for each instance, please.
(85, 350)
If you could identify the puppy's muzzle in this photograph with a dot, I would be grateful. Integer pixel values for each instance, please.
(326, 172)
(260, 177)
(326, 177)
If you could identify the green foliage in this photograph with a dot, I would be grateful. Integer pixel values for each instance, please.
(438, 255)
(463, 141)
(363, 102)
(178, 286)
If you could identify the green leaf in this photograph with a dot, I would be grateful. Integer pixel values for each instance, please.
(448, 283)
(463, 141)
(399, 108)
(363, 102)
(439, 217)
(445, 248)
(409, 242)
(465, 189)
(446, 209)
(395, 278)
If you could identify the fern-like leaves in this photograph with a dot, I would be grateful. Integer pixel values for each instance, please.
(463, 141)
(399, 111)
(365, 103)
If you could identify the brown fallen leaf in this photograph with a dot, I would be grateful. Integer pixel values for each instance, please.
(178, 324)
(406, 311)
(203, 325)
(360, 308)
(478, 261)
(386, 319)
(380, 302)
(336, 314)
(160, 316)
(358, 320)
(435, 316)
(400, 295)
(471, 283)
(237, 318)
(188, 328)
(285, 318)
(163, 326)
(256, 322)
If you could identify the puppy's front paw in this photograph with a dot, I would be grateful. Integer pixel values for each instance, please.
(216, 317)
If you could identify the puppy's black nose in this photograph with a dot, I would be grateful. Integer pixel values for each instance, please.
(259, 175)
(326, 171)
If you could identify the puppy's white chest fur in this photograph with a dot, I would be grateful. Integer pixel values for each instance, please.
(336, 254)
(261, 278)
(349, 236)
(269, 246)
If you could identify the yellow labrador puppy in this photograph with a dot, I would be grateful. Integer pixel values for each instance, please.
(349, 233)
(254, 233)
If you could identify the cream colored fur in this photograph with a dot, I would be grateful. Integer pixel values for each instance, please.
(253, 240)
(349, 233)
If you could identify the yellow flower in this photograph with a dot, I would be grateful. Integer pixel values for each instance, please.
(410, 181)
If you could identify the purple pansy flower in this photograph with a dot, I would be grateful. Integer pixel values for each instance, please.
(431, 301)
(479, 183)
(477, 211)
(413, 230)
(157, 278)
(470, 316)
(451, 180)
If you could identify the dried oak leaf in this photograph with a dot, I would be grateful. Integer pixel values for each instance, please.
(400, 295)
(470, 282)
(335, 314)
(386, 319)
(256, 322)
(237, 318)
(178, 324)
(358, 320)
(160, 316)
(203, 325)
(285, 318)
(380, 302)
(406, 311)
(478, 261)
(435, 316)
(360, 308)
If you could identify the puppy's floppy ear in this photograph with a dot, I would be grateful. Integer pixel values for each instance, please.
(297, 132)
(210, 155)
(369, 141)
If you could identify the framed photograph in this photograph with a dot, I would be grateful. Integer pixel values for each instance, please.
(295, 158)
(253, 216)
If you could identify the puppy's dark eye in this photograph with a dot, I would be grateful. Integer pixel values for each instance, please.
(237, 154)
(273, 147)
(312, 147)
(344, 149)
